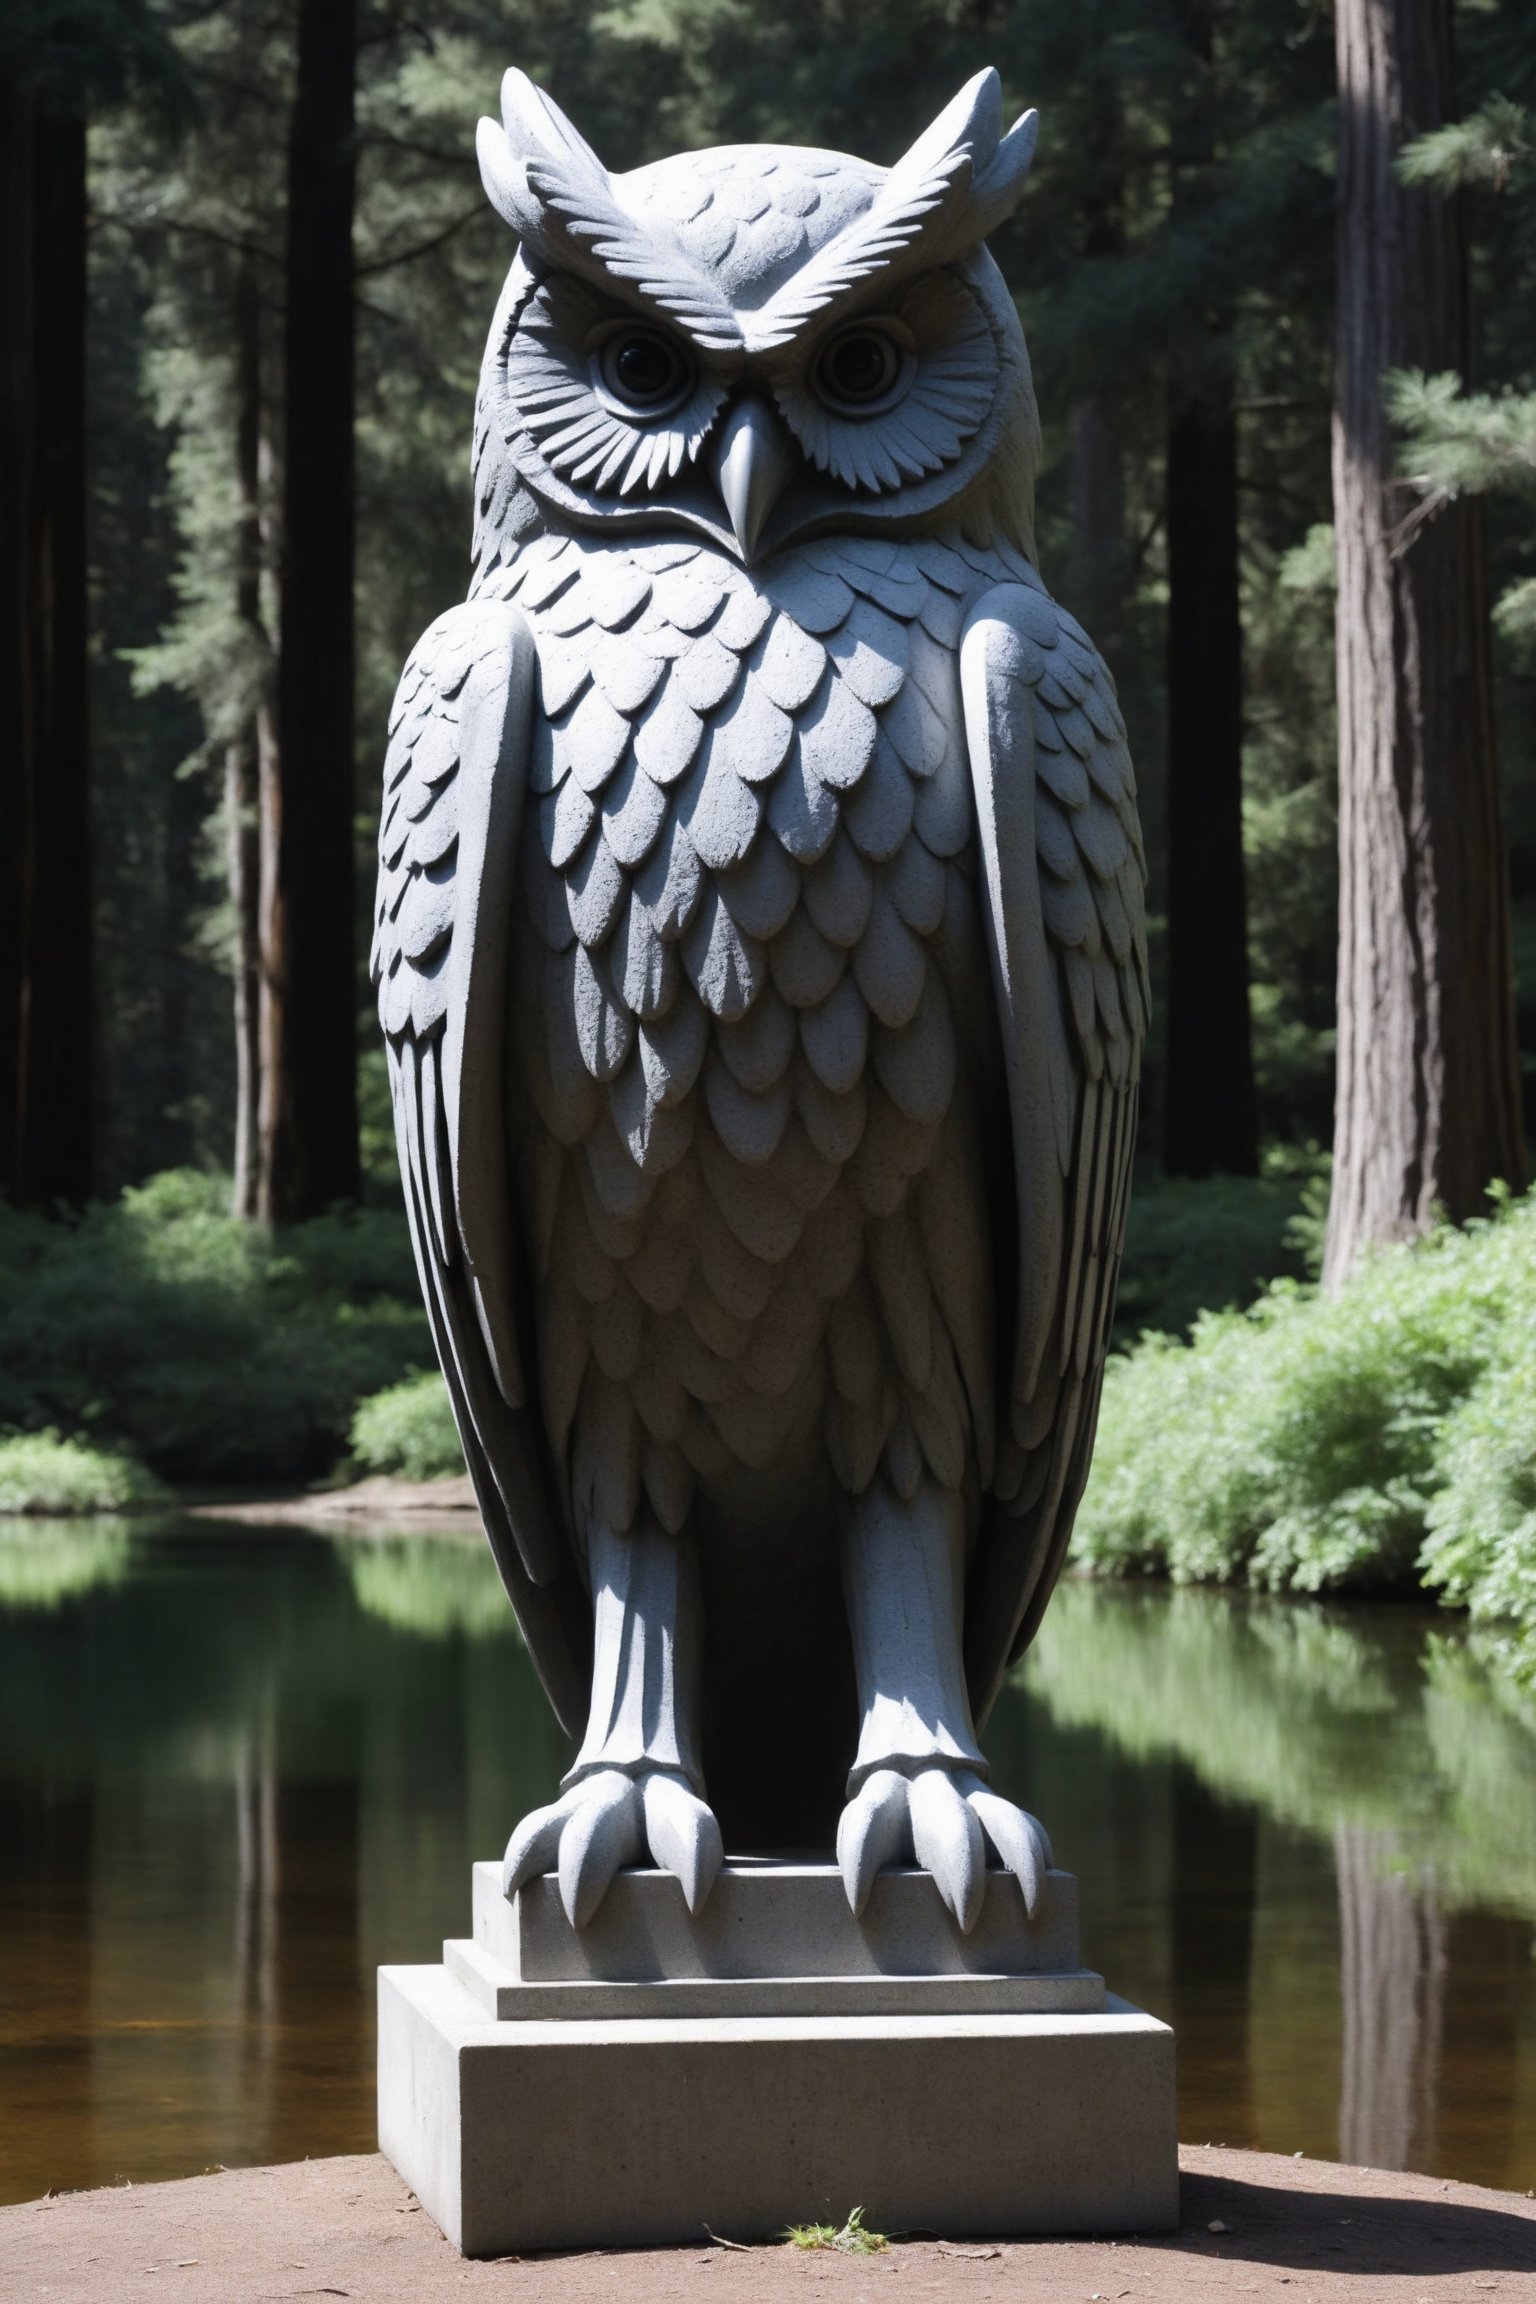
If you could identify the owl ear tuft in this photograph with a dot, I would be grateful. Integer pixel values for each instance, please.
(970, 128)
(533, 129)
(505, 179)
(551, 187)
(535, 125)
(970, 123)
(937, 203)
(997, 190)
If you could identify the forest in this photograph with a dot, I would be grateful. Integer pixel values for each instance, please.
(1275, 267)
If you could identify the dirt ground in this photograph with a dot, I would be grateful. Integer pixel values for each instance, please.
(1301, 2231)
(428, 1504)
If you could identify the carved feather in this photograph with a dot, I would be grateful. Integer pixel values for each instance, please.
(945, 194)
(549, 185)
(1071, 1036)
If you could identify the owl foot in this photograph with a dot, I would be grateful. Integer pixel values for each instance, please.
(606, 1820)
(943, 1818)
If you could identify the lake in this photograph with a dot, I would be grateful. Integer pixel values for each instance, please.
(240, 1767)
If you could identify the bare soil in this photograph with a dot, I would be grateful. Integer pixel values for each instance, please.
(1294, 2231)
(402, 1503)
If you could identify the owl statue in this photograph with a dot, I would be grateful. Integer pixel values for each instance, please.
(760, 950)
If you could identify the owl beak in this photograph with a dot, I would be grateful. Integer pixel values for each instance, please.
(753, 463)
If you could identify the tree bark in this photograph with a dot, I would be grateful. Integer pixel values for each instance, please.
(1427, 1104)
(1210, 1109)
(309, 1035)
(1097, 462)
(46, 978)
(243, 757)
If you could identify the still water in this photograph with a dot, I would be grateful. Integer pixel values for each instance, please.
(239, 1768)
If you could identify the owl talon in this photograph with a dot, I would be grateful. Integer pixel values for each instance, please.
(947, 1841)
(683, 1836)
(871, 1831)
(950, 1823)
(1018, 1838)
(608, 1820)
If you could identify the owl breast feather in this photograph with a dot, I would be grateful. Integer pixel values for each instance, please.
(748, 926)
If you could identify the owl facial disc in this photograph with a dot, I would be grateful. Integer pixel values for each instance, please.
(760, 343)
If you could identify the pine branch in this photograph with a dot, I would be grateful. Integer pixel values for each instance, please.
(393, 261)
(1483, 151)
(1461, 443)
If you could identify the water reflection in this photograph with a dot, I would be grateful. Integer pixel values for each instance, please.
(43, 1563)
(1351, 1917)
(431, 1584)
(239, 1768)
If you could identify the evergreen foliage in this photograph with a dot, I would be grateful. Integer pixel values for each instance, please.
(1380, 1439)
(154, 1325)
(1458, 442)
(159, 1325)
(1197, 1247)
(1113, 282)
(408, 1429)
(40, 1473)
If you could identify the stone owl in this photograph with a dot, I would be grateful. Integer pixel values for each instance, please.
(760, 950)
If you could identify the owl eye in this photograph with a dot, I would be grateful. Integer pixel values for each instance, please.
(861, 370)
(644, 370)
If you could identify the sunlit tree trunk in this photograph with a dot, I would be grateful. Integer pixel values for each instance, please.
(309, 1059)
(1210, 1112)
(1427, 1107)
(46, 978)
(243, 755)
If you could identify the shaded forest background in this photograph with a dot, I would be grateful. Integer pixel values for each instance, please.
(284, 268)
(1174, 263)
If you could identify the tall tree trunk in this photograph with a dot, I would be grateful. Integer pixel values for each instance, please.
(1097, 463)
(242, 758)
(1210, 1111)
(309, 1083)
(46, 979)
(1427, 1105)
(1098, 522)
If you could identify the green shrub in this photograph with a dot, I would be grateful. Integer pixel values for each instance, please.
(212, 1350)
(408, 1428)
(1195, 1247)
(1482, 1523)
(39, 1472)
(1379, 1438)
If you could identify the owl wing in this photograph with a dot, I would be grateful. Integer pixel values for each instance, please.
(454, 782)
(1063, 883)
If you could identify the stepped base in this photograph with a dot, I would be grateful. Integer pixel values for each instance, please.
(639, 2083)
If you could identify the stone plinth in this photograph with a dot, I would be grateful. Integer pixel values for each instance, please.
(654, 2076)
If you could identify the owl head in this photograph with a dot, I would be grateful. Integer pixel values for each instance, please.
(758, 343)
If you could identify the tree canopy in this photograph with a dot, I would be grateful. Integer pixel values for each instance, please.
(1175, 249)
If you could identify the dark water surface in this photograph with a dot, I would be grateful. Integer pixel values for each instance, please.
(239, 1768)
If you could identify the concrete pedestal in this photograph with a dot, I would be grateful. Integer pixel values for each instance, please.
(654, 2077)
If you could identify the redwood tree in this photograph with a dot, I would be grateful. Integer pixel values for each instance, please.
(1427, 1109)
(249, 756)
(1210, 1110)
(309, 993)
(46, 983)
